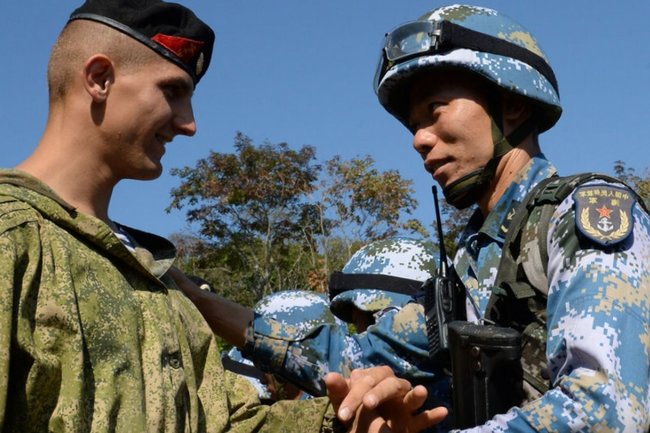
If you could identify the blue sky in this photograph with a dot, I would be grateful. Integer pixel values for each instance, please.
(300, 72)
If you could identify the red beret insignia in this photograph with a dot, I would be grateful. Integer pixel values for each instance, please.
(185, 49)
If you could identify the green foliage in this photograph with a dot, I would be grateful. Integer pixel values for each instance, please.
(367, 202)
(629, 176)
(454, 222)
(270, 218)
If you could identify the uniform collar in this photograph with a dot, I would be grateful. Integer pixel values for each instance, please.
(153, 254)
(496, 224)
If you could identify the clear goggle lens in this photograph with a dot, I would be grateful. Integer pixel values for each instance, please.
(405, 41)
(412, 38)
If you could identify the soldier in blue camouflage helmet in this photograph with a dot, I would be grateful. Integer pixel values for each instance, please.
(300, 310)
(476, 90)
(380, 280)
(303, 310)
(398, 257)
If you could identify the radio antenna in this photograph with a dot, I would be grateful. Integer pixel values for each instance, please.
(443, 268)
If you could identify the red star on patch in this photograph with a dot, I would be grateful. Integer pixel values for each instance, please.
(604, 212)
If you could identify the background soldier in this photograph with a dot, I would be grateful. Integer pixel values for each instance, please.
(374, 292)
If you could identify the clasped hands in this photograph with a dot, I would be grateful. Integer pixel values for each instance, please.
(371, 400)
(374, 400)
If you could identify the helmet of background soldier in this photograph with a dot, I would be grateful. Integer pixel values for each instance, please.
(381, 275)
(491, 47)
(303, 311)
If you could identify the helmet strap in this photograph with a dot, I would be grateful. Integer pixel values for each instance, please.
(465, 191)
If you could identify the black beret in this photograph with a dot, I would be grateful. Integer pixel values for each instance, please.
(170, 29)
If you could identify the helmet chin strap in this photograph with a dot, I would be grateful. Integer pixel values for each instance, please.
(465, 191)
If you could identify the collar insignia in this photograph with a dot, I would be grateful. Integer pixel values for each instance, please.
(604, 213)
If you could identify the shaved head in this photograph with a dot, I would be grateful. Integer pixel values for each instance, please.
(79, 40)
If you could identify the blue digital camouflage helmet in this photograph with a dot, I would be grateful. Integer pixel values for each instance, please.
(296, 311)
(381, 275)
(490, 46)
(300, 309)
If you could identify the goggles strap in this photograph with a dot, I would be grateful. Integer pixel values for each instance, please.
(341, 282)
(454, 36)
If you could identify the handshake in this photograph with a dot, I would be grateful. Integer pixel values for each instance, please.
(374, 400)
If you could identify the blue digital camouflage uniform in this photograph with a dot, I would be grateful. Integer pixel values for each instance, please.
(598, 248)
(301, 310)
(598, 315)
(95, 338)
(398, 339)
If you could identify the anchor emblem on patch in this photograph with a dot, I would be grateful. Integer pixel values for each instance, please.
(604, 213)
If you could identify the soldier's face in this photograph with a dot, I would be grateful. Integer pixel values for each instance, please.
(452, 128)
(146, 108)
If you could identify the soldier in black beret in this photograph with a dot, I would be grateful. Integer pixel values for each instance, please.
(94, 332)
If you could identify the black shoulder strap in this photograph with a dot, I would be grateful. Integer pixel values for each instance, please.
(551, 191)
(515, 301)
(241, 368)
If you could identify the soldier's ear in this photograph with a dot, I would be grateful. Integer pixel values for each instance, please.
(98, 77)
(515, 108)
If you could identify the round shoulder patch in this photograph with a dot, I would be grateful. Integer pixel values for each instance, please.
(604, 213)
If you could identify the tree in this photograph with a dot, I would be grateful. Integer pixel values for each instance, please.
(250, 207)
(629, 176)
(270, 218)
(358, 204)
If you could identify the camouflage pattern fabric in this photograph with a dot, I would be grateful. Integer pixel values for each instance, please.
(511, 74)
(284, 345)
(598, 315)
(397, 339)
(235, 355)
(302, 309)
(97, 339)
(397, 256)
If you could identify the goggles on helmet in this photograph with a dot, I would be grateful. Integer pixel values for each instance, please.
(340, 282)
(416, 38)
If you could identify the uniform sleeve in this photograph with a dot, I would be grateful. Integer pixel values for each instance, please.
(302, 416)
(227, 402)
(298, 416)
(6, 323)
(598, 323)
(397, 339)
(17, 273)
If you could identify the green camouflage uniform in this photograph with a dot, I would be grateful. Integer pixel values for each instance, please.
(95, 339)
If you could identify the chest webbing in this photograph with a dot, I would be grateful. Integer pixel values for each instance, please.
(519, 296)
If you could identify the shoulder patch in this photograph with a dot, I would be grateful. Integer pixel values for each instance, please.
(604, 213)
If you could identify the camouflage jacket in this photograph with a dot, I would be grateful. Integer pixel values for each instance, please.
(304, 356)
(95, 338)
(598, 309)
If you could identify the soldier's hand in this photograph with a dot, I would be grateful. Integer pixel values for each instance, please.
(374, 400)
